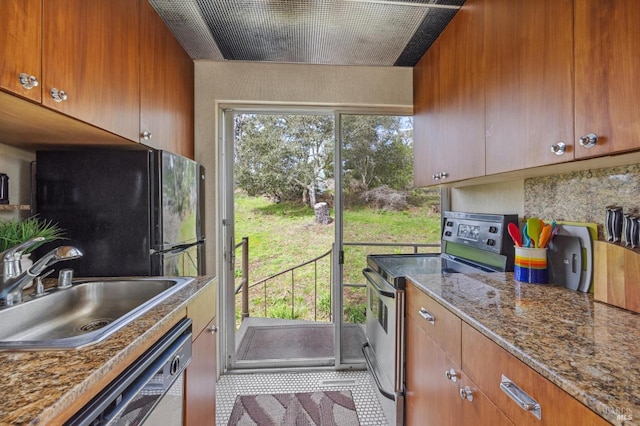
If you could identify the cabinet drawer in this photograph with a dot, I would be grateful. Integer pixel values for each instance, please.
(444, 328)
(203, 308)
(486, 363)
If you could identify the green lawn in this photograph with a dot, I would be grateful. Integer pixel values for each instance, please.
(284, 235)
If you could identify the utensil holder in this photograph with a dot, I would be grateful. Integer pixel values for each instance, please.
(531, 265)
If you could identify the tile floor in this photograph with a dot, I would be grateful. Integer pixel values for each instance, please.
(358, 382)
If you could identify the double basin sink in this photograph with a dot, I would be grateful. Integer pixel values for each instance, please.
(86, 313)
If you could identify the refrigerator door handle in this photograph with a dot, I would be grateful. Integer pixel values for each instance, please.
(177, 248)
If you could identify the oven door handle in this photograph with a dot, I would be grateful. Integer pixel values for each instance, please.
(373, 277)
(373, 373)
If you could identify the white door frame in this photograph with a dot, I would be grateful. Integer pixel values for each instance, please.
(226, 243)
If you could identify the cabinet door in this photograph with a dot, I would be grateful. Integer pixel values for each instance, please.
(90, 51)
(607, 47)
(20, 47)
(431, 399)
(426, 128)
(166, 87)
(529, 86)
(478, 410)
(200, 405)
(449, 102)
(485, 363)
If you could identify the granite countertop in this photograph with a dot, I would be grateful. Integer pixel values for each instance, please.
(589, 349)
(37, 386)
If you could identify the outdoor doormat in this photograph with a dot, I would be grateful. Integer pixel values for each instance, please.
(297, 341)
(328, 408)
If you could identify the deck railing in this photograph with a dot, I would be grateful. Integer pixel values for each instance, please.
(244, 287)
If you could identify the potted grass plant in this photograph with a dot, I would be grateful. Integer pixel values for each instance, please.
(15, 231)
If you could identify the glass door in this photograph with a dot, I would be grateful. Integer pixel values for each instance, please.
(379, 211)
(278, 256)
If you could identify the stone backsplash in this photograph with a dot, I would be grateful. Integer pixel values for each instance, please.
(582, 196)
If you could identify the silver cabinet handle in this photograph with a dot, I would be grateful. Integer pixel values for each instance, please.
(559, 148)
(466, 393)
(520, 397)
(451, 375)
(427, 316)
(436, 176)
(28, 81)
(444, 175)
(213, 329)
(589, 140)
(146, 135)
(58, 95)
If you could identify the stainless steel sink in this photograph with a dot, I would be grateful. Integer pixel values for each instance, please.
(84, 314)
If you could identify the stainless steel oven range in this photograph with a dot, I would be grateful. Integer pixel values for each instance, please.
(472, 243)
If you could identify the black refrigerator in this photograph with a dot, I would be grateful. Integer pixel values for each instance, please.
(131, 212)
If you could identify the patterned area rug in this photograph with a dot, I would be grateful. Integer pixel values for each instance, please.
(329, 408)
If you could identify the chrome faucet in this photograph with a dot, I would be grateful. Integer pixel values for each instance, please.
(12, 283)
(11, 258)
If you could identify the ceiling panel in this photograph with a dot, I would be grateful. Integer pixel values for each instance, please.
(337, 32)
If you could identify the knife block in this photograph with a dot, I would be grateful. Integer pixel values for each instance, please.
(616, 275)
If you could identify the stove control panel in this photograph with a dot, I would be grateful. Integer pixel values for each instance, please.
(479, 231)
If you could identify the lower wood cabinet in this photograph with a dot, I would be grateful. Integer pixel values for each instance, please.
(200, 394)
(440, 390)
(201, 380)
(487, 363)
(434, 380)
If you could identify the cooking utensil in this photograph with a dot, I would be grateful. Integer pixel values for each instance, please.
(526, 241)
(514, 231)
(533, 230)
(545, 236)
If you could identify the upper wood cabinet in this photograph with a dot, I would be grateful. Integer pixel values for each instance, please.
(607, 48)
(529, 85)
(449, 102)
(166, 87)
(90, 52)
(20, 47)
(111, 67)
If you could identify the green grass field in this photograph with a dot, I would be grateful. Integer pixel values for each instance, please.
(284, 235)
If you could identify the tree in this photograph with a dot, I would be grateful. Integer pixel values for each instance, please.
(291, 156)
(378, 150)
(284, 156)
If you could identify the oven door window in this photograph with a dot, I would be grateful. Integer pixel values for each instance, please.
(378, 309)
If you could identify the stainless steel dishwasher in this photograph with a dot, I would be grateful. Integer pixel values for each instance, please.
(150, 391)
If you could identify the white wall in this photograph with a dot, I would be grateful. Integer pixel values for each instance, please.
(237, 83)
(497, 198)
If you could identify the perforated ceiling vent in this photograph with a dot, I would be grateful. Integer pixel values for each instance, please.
(338, 32)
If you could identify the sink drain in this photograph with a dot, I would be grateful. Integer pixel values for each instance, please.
(95, 324)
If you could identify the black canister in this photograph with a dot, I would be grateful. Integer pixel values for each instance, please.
(4, 189)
